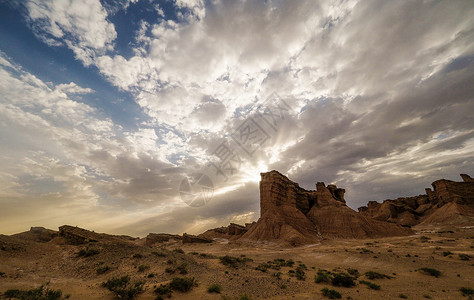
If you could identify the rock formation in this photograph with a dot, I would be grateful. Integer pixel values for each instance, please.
(188, 238)
(231, 232)
(448, 202)
(290, 214)
(153, 238)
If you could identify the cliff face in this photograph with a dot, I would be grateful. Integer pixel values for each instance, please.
(429, 208)
(294, 215)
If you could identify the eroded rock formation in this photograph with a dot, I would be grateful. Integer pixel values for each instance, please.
(153, 238)
(291, 214)
(188, 238)
(448, 201)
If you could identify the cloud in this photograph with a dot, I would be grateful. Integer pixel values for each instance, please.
(81, 25)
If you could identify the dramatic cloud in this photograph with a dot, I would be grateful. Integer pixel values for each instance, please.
(377, 95)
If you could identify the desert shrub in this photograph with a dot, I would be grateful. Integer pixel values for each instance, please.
(160, 253)
(463, 256)
(331, 294)
(353, 272)
(40, 293)
(342, 279)
(2, 274)
(214, 288)
(178, 250)
(143, 268)
(466, 291)
(427, 296)
(370, 284)
(376, 275)
(364, 250)
(322, 276)
(233, 262)
(300, 274)
(431, 271)
(205, 255)
(283, 263)
(86, 252)
(102, 270)
(277, 275)
(446, 253)
(424, 238)
(403, 296)
(151, 275)
(164, 290)
(137, 255)
(262, 267)
(123, 288)
(183, 284)
(244, 297)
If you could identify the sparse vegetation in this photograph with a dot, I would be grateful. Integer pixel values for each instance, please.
(331, 294)
(375, 275)
(353, 272)
(214, 288)
(466, 291)
(244, 297)
(160, 253)
(123, 288)
(463, 256)
(300, 274)
(143, 268)
(183, 284)
(164, 290)
(322, 276)
(370, 284)
(233, 262)
(446, 253)
(137, 255)
(430, 271)
(102, 270)
(178, 250)
(86, 252)
(342, 279)
(403, 296)
(41, 293)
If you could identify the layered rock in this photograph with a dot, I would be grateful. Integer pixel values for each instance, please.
(188, 238)
(231, 232)
(290, 214)
(153, 238)
(428, 208)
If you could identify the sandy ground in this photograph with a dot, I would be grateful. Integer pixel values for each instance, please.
(25, 264)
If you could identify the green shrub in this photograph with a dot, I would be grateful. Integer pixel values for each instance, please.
(262, 267)
(164, 290)
(233, 262)
(431, 271)
(463, 256)
(214, 288)
(342, 279)
(300, 274)
(183, 284)
(86, 252)
(123, 288)
(466, 291)
(143, 268)
(331, 294)
(40, 293)
(370, 285)
(137, 255)
(446, 253)
(353, 272)
(322, 276)
(160, 253)
(244, 297)
(102, 270)
(375, 275)
(403, 296)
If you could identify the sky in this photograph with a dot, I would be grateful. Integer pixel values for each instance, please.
(139, 116)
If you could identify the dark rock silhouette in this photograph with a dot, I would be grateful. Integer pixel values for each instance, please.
(448, 202)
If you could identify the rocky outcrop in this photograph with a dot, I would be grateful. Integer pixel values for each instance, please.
(78, 236)
(153, 238)
(188, 238)
(429, 208)
(37, 234)
(292, 215)
(231, 232)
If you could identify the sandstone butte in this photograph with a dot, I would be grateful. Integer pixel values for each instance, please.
(291, 215)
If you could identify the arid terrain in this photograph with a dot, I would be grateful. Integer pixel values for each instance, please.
(306, 245)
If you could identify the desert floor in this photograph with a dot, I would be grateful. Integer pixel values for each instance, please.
(25, 264)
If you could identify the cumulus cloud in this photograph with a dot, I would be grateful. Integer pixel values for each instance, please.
(380, 96)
